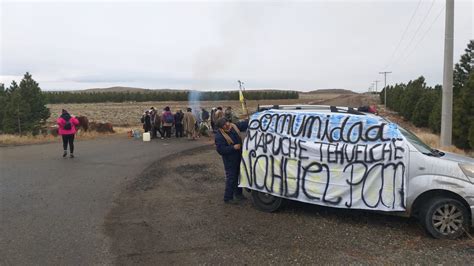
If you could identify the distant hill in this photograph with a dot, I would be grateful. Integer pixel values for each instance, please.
(335, 91)
(116, 89)
(142, 90)
(132, 89)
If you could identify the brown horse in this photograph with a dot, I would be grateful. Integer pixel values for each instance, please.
(102, 127)
(83, 122)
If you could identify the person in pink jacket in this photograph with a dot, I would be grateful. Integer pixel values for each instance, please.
(67, 129)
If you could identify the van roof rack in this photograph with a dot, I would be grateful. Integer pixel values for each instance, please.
(322, 108)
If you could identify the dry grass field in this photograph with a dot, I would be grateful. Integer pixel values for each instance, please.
(128, 114)
(8, 139)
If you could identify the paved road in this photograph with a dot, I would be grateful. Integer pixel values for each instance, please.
(52, 209)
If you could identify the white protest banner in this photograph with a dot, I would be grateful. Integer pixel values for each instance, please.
(337, 160)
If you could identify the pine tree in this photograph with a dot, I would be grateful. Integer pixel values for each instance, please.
(3, 102)
(13, 87)
(423, 108)
(463, 68)
(463, 111)
(36, 104)
(16, 111)
(471, 135)
(24, 109)
(410, 97)
(434, 120)
(463, 118)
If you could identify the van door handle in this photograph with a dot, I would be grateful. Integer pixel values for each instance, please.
(421, 168)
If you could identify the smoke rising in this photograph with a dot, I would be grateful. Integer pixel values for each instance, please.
(238, 29)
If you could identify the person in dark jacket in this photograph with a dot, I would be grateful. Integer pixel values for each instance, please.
(229, 146)
(146, 120)
(178, 124)
(167, 120)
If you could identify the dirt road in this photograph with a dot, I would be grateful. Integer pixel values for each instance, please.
(52, 209)
(174, 214)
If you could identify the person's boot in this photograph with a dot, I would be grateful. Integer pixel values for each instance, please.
(72, 155)
(240, 197)
(232, 202)
(64, 154)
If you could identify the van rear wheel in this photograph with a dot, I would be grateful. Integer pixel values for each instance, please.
(266, 202)
(444, 218)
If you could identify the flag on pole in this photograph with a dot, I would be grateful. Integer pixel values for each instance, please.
(242, 101)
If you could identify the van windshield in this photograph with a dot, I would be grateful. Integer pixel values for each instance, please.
(419, 145)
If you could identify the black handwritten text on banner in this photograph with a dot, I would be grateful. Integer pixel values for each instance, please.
(338, 160)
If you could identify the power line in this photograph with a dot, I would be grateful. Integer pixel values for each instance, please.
(403, 34)
(424, 35)
(416, 32)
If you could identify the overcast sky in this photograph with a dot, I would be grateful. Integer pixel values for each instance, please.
(311, 45)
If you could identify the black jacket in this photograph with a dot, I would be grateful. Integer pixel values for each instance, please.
(230, 156)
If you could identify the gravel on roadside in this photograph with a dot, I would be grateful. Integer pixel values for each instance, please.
(174, 213)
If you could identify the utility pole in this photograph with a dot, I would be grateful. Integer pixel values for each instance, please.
(376, 82)
(447, 100)
(385, 86)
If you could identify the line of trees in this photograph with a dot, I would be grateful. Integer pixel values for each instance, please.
(421, 104)
(22, 107)
(100, 97)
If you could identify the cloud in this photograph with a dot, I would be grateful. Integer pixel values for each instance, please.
(210, 45)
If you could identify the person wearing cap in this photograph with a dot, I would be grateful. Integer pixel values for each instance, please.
(229, 146)
(67, 129)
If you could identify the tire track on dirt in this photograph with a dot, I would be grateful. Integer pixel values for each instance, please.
(174, 214)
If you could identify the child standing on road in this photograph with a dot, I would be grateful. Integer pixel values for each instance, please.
(67, 129)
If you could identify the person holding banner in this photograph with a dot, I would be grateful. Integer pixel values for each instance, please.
(229, 146)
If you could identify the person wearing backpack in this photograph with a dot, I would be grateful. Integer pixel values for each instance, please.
(168, 121)
(67, 129)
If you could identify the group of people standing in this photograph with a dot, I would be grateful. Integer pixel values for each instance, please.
(163, 122)
(190, 123)
(226, 128)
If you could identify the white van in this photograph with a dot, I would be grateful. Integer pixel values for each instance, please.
(340, 157)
